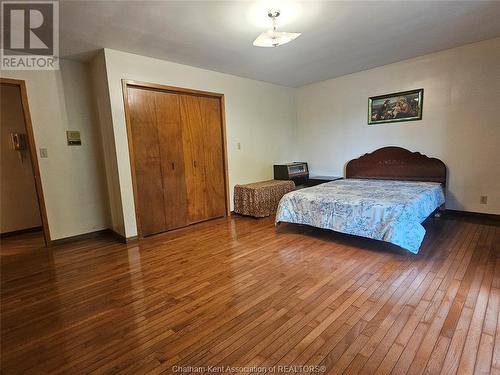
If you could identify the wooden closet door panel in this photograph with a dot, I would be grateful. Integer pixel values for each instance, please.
(192, 139)
(213, 157)
(147, 162)
(172, 158)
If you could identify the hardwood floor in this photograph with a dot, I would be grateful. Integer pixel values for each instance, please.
(236, 292)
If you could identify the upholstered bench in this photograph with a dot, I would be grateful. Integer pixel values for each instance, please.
(260, 199)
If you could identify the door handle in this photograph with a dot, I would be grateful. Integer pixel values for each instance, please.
(173, 166)
(194, 163)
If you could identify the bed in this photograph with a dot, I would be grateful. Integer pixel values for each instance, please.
(386, 196)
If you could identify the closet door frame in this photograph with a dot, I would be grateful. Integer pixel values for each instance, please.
(126, 84)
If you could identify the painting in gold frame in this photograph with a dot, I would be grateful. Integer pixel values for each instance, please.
(396, 107)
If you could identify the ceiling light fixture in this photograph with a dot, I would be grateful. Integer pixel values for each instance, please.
(273, 37)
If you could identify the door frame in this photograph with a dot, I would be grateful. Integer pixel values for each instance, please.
(126, 83)
(33, 153)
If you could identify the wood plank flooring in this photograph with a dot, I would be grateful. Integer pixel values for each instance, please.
(237, 292)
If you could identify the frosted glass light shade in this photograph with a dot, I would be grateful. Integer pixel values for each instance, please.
(273, 38)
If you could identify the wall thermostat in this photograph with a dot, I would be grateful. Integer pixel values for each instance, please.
(73, 137)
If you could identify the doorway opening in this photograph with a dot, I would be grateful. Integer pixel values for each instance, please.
(22, 205)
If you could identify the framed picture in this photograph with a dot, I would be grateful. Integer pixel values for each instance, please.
(396, 107)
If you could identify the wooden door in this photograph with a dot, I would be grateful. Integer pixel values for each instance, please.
(178, 156)
(147, 162)
(203, 155)
(213, 157)
(192, 138)
(172, 159)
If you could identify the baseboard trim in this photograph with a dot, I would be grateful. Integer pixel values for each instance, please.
(21, 231)
(95, 234)
(123, 239)
(79, 237)
(474, 214)
(128, 240)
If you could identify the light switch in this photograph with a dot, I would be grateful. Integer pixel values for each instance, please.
(238, 146)
(43, 153)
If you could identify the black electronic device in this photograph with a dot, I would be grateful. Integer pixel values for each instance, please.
(298, 172)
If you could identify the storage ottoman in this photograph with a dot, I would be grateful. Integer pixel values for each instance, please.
(260, 199)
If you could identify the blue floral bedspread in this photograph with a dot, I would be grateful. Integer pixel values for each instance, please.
(390, 211)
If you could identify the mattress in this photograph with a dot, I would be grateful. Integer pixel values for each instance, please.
(385, 210)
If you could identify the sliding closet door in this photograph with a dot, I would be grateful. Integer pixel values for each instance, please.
(202, 140)
(148, 166)
(193, 152)
(172, 158)
(176, 142)
(213, 157)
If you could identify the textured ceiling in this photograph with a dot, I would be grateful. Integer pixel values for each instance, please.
(338, 37)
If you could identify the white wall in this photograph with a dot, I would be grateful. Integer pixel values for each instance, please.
(103, 109)
(460, 125)
(18, 197)
(72, 176)
(259, 115)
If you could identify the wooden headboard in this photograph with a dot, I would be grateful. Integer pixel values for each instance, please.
(396, 163)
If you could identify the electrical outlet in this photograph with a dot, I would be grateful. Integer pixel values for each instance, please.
(43, 153)
(483, 199)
